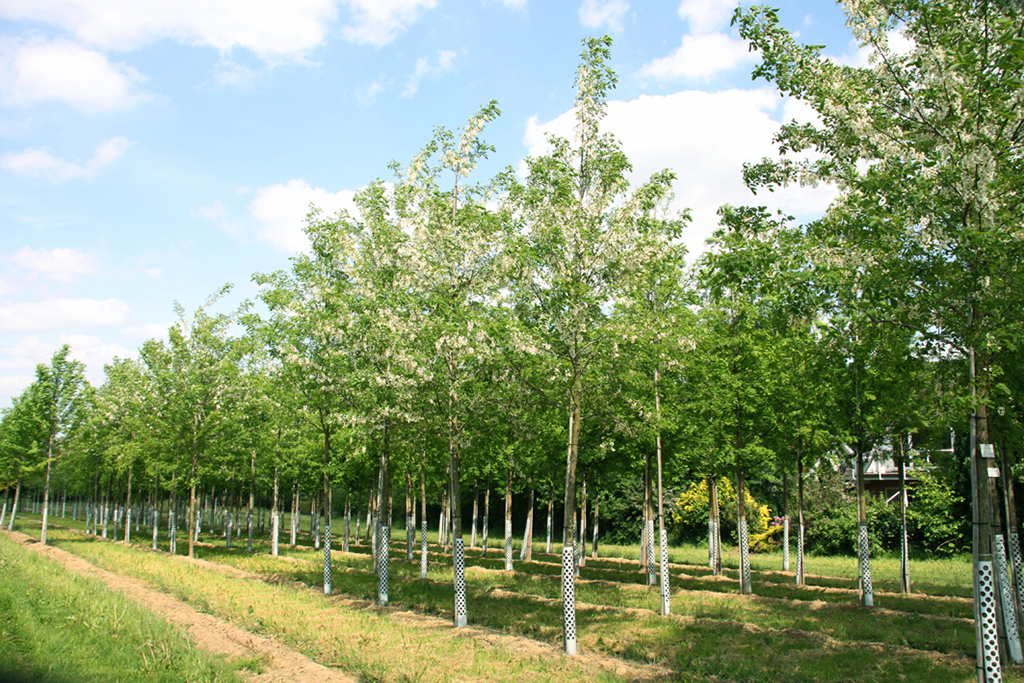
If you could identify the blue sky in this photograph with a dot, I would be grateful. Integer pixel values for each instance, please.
(151, 151)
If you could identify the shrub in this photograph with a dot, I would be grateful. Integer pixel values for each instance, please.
(688, 520)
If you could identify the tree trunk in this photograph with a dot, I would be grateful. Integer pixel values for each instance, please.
(715, 528)
(867, 596)
(423, 511)
(582, 555)
(295, 518)
(476, 505)
(327, 512)
(569, 518)
(648, 549)
(486, 521)
(46, 488)
(348, 522)
(597, 522)
(275, 522)
(252, 500)
(1011, 525)
(800, 517)
(666, 605)
(384, 518)
(741, 516)
(128, 509)
(551, 507)
(904, 545)
(458, 549)
(410, 526)
(508, 520)
(527, 551)
(785, 522)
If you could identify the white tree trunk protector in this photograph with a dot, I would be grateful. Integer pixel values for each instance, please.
(865, 567)
(785, 544)
(666, 603)
(423, 552)
(383, 557)
(745, 557)
(1006, 595)
(459, 552)
(508, 545)
(327, 556)
(800, 555)
(568, 601)
(156, 526)
(651, 570)
(989, 627)
(1018, 570)
(711, 543)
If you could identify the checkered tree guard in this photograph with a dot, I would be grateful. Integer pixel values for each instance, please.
(423, 552)
(865, 567)
(666, 604)
(799, 554)
(1006, 595)
(382, 565)
(652, 576)
(508, 545)
(745, 557)
(410, 534)
(327, 556)
(985, 580)
(156, 526)
(568, 601)
(712, 537)
(1015, 560)
(459, 552)
(785, 544)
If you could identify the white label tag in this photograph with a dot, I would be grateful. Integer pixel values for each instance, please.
(987, 450)
(993, 472)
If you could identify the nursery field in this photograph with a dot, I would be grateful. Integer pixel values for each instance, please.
(781, 633)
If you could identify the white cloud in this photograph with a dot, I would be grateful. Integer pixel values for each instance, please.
(94, 353)
(603, 13)
(424, 69)
(378, 22)
(64, 71)
(62, 265)
(37, 162)
(701, 57)
(706, 16)
(282, 210)
(705, 138)
(272, 30)
(56, 314)
(514, 4)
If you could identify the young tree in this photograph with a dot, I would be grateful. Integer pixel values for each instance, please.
(582, 232)
(57, 396)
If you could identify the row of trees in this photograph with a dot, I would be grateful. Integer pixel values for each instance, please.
(458, 331)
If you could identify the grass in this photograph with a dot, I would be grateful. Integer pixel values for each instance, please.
(781, 633)
(57, 627)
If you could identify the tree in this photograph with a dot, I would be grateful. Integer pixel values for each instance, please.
(57, 396)
(926, 145)
(582, 232)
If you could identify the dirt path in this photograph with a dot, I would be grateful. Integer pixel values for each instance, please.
(280, 663)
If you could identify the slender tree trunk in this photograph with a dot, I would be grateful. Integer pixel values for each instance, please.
(384, 518)
(327, 511)
(867, 596)
(192, 496)
(741, 512)
(423, 511)
(715, 536)
(648, 548)
(458, 549)
(476, 506)
(348, 522)
(252, 499)
(551, 508)
(785, 521)
(569, 519)
(295, 518)
(46, 488)
(582, 554)
(666, 605)
(508, 520)
(527, 551)
(410, 525)
(800, 517)
(275, 516)
(486, 521)
(1011, 524)
(128, 509)
(597, 521)
(904, 545)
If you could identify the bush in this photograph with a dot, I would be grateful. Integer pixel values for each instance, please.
(688, 519)
(938, 528)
